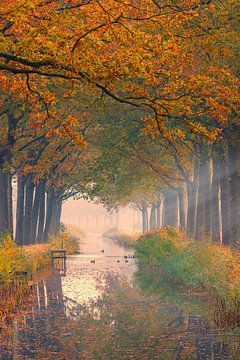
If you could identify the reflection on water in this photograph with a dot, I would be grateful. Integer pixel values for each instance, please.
(102, 310)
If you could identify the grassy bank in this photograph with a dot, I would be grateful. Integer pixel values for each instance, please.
(30, 258)
(123, 238)
(65, 241)
(201, 267)
(14, 259)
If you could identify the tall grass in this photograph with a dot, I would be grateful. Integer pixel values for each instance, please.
(203, 267)
(65, 240)
(13, 259)
(123, 238)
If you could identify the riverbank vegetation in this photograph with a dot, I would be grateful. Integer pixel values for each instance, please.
(65, 241)
(20, 265)
(123, 238)
(209, 269)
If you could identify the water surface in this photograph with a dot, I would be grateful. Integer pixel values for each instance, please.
(110, 309)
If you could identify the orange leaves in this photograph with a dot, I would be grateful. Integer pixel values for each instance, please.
(167, 58)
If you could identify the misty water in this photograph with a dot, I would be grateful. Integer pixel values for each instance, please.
(113, 309)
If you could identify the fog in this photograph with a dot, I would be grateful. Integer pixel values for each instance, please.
(92, 217)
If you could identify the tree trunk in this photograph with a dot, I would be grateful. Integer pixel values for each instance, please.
(182, 216)
(20, 210)
(170, 209)
(144, 218)
(215, 216)
(50, 201)
(28, 210)
(5, 227)
(35, 212)
(53, 224)
(153, 222)
(10, 204)
(208, 203)
(159, 211)
(174, 206)
(234, 190)
(225, 199)
(192, 208)
(192, 189)
(41, 217)
(203, 202)
(58, 217)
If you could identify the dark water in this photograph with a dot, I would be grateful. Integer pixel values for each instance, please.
(110, 309)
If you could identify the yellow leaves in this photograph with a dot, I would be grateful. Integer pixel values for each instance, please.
(72, 121)
(79, 141)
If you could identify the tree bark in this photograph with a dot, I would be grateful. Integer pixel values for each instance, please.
(182, 215)
(159, 211)
(35, 212)
(28, 210)
(215, 216)
(170, 209)
(234, 190)
(20, 210)
(225, 198)
(192, 190)
(10, 204)
(207, 194)
(58, 217)
(50, 202)
(153, 222)
(5, 228)
(203, 202)
(144, 218)
(41, 217)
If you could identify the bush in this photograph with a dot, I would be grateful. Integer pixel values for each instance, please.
(64, 241)
(12, 259)
(37, 257)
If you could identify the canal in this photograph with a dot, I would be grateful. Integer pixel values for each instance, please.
(107, 307)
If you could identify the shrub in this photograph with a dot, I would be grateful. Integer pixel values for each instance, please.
(64, 241)
(37, 257)
(12, 259)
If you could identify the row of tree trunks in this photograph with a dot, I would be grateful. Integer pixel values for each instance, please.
(36, 216)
